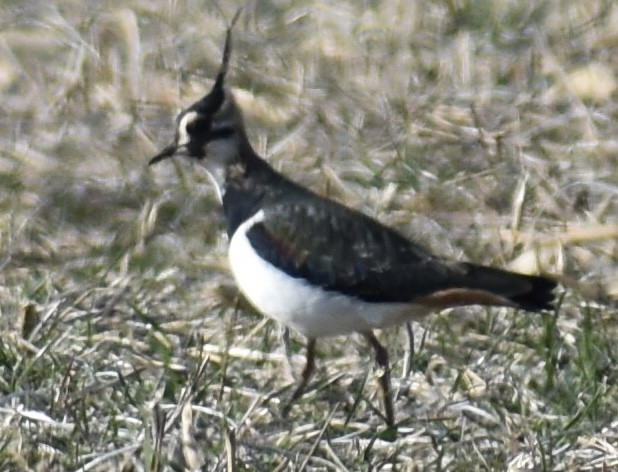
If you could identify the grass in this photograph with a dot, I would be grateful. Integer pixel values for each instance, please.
(485, 130)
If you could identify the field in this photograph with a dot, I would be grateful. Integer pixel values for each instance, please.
(486, 130)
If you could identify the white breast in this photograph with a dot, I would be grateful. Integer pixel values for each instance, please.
(312, 311)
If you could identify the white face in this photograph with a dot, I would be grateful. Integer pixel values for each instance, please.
(220, 141)
(219, 153)
(183, 135)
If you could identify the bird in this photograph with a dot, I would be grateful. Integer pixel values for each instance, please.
(317, 266)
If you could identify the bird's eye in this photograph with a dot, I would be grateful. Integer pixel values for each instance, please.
(197, 126)
(191, 127)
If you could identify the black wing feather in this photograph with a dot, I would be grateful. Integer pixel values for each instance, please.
(343, 250)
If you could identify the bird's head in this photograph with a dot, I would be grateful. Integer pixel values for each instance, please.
(210, 130)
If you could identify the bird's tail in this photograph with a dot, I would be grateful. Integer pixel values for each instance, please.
(472, 284)
(528, 292)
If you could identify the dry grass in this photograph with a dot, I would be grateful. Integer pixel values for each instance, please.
(487, 130)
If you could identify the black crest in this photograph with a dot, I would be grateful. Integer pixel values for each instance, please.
(214, 99)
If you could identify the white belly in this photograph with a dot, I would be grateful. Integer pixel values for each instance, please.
(312, 311)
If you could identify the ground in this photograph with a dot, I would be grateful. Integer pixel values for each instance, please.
(484, 129)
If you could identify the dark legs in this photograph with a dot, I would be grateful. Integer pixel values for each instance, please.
(381, 356)
(385, 377)
(410, 351)
(285, 336)
(305, 376)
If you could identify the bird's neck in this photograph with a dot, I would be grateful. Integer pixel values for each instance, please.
(247, 181)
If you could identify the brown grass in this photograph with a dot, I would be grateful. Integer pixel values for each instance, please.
(485, 130)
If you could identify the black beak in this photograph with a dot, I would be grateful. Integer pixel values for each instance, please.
(169, 151)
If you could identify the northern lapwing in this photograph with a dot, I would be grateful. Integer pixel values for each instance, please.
(317, 266)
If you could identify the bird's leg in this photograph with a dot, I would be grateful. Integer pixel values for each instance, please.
(410, 351)
(385, 376)
(305, 376)
(285, 336)
(307, 371)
